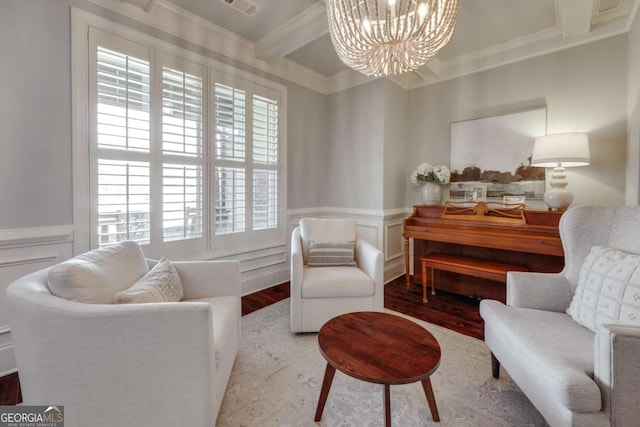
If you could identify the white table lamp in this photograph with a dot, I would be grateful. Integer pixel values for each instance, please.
(559, 151)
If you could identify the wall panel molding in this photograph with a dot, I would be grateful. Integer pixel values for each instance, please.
(35, 235)
(24, 251)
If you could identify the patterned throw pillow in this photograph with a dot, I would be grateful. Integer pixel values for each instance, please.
(608, 289)
(323, 254)
(160, 284)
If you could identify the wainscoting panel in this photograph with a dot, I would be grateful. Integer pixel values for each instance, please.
(24, 251)
(393, 241)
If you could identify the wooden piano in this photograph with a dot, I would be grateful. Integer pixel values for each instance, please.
(533, 242)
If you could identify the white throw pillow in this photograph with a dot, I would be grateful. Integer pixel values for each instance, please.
(96, 276)
(160, 284)
(608, 289)
(323, 254)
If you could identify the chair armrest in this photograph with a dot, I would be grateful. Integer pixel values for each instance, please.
(297, 264)
(542, 291)
(118, 352)
(205, 279)
(617, 371)
(370, 260)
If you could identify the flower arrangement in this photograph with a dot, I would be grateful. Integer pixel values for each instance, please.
(427, 173)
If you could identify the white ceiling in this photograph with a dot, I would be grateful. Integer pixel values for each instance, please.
(488, 32)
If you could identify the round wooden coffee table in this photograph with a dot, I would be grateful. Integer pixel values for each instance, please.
(379, 348)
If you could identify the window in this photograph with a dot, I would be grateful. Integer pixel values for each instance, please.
(183, 157)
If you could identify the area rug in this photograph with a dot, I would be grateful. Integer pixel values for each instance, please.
(277, 377)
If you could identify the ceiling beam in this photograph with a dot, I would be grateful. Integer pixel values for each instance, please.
(299, 31)
(575, 17)
(429, 70)
(145, 5)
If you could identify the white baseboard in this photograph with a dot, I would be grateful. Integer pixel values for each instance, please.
(264, 280)
(7, 359)
(393, 269)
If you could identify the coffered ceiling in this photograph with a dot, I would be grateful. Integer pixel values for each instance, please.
(488, 33)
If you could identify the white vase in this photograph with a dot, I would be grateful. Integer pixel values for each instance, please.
(431, 193)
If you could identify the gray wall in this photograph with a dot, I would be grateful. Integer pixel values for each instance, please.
(583, 88)
(633, 120)
(35, 114)
(307, 154)
(356, 147)
(396, 175)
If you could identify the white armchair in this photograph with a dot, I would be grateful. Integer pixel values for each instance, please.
(573, 375)
(160, 364)
(319, 293)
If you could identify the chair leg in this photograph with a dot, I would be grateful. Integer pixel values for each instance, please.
(433, 281)
(495, 366)
(424, 282)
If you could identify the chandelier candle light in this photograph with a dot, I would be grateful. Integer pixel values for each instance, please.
(390, 37)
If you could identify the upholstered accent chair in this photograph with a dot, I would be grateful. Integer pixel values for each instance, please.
(571, 340)
(139, 364)
(332, 272)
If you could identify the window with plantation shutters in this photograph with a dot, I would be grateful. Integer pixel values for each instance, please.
(123, 145)
(182, 157)
(246, 160)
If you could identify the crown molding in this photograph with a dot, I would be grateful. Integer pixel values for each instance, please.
(532, 46)
(167, 17)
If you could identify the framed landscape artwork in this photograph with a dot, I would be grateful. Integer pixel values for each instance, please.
(495, 153)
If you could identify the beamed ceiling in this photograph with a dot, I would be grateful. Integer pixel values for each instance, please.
(488, 33)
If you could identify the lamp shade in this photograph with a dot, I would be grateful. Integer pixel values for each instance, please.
(568, 149)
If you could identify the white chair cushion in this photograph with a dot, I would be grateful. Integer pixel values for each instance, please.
(225, 312)
(160, 284)
(332, 282)
(325, 230)
(546, 350)
(608, 289)
(96, 276)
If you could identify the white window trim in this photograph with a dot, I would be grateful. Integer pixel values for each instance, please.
(81, 21)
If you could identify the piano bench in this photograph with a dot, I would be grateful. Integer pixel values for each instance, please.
(490, 270)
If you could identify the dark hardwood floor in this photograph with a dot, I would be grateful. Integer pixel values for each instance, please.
(260, 299)
(452, 311)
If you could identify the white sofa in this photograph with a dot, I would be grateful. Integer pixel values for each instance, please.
(573, 376)
(321, 293)
(149, 364)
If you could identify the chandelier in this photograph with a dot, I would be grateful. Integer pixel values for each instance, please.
(389, 37)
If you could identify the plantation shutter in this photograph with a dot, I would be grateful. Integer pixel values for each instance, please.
(265, 159)
(183, 156)
(230, 154)
(123, 145)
